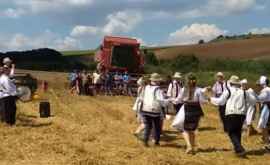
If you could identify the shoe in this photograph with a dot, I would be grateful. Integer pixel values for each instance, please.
(145, 144)
(157, 144)
(241, 154)
(189, 151)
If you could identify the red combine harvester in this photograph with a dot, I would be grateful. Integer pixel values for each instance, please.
(119, 54)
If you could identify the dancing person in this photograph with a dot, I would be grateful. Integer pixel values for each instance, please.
(251, 109)
(264, 98)
(138, 105)
(236, 100)
(153, 101)
(218, 88)
(187, 119)
(174, 90)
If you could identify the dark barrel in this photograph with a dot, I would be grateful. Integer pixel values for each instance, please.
(44, 109)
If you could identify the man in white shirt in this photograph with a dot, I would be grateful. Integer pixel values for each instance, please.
(236, 100)
(153, 100)
(8, 94)
(175, 89)
(218, 88)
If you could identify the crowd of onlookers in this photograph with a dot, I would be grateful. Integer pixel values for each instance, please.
(99, 83)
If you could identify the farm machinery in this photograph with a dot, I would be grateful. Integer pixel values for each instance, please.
(120, 54)
(26, 84)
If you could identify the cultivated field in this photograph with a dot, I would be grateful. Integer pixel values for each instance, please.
(98, 130)
(254, 48)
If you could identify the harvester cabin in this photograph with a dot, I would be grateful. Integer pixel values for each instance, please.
(120, 54)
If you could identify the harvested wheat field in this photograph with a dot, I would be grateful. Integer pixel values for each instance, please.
(254, 48)
(98, 130)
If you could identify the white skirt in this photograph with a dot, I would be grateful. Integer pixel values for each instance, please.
(178, 122)
(263, 118)
(250, 115)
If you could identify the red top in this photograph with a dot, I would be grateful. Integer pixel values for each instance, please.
(121, 40)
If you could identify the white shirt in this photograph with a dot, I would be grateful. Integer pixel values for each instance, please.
(264, 95)
(174, 89)
(218, 88)
(237, 103)
(7, 87)
(96, 78)
(153, 99)
(198, 96)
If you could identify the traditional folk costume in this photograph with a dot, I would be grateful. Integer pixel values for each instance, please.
(153, 101)
(137, 107)
(264, 98)
(8, 99)
(236, 101)
(218, 88)
(188, 117)
(251, 108)
(175, 90)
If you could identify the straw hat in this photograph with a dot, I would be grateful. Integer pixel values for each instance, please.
(155, 77)
(234, 80)
(6, 60)
(177, 75)
(220, 74)
(244, 81)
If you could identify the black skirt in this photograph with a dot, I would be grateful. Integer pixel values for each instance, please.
(193, 113)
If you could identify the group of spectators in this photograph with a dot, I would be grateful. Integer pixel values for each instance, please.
(98, 83)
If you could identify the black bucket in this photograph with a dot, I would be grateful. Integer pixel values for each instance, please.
(44, 109)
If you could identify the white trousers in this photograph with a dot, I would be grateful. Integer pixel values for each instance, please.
(250, 115)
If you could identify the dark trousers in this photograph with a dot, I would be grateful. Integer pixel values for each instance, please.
(152, 122)
(221, 110)
(2, 110)
(234, 131)
(10, 110)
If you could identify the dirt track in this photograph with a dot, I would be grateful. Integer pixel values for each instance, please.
(98, 130)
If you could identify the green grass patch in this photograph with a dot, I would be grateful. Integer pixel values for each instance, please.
(78, 53)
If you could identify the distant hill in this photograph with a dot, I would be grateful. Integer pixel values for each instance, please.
(231, 48)
(49, 60)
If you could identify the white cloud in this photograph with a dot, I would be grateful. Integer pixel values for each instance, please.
(141, 41)
(119, 22)
(48, 39)
(260, 30)
(219, 8)
(49, 5)
(12, 13)
(122, 21)
(80, 31)
(193, 33)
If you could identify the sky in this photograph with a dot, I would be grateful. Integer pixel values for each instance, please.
(82, 24)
